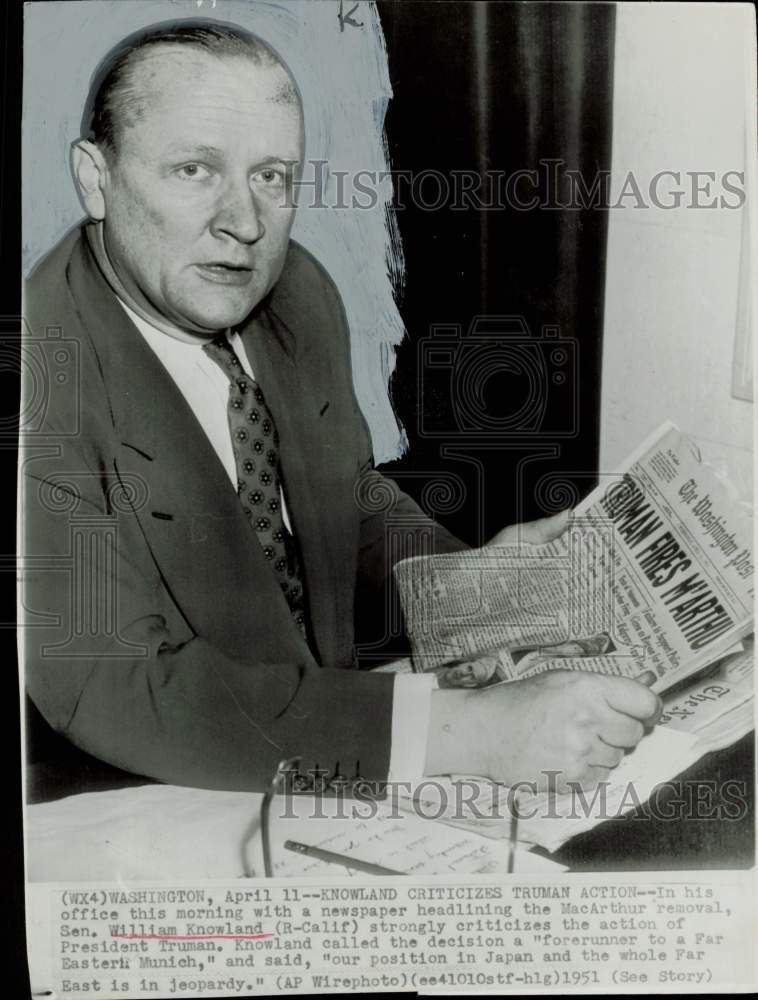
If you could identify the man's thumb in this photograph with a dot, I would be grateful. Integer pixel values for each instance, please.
(548, 528)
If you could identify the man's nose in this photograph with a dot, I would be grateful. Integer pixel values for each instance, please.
(238, 214)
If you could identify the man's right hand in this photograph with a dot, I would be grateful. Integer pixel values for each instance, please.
(573, 723)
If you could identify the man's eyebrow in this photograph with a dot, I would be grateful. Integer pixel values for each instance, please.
(190, 149)
(277, 159)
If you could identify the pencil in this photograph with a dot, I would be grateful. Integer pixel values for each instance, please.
(339, 859)
(513, 840)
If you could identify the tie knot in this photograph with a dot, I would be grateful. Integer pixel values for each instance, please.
(219, 350)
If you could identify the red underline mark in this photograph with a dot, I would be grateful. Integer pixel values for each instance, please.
(193, 937)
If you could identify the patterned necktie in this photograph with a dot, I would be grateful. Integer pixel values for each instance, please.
(255, 442)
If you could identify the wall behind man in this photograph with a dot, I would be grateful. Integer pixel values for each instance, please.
(682, 98)
(497, 382)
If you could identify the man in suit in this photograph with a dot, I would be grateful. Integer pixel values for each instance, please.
(207, 465)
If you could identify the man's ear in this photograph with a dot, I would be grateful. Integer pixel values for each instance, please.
(90, 170)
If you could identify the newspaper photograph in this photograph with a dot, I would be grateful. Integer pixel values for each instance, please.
(382, 437)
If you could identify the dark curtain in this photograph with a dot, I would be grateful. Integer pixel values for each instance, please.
(498, 381)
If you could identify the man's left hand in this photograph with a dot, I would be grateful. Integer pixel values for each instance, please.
(546, 529)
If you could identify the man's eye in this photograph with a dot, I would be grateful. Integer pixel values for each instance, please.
(193, 172)
(269, 176)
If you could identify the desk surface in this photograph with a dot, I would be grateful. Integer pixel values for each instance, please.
(639, 841)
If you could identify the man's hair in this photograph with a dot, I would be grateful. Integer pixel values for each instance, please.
(116, 99)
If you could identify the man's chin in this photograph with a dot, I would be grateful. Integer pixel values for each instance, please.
(224, 317)
(209, 326)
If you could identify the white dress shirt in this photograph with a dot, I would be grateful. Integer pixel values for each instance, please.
(206, 390)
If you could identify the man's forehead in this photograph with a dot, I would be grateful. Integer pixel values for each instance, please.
(170, 73)
(188, 95)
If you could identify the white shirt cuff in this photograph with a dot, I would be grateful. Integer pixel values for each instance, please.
(411, 709)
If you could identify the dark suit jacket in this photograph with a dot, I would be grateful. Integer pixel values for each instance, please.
(157, 638)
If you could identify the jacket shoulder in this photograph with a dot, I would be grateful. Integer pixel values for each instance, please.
(306, 298)
(52, 267)
(302, 268)
(46, 289)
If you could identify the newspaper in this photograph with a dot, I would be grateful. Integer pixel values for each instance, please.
(718, 695)
(654, 573)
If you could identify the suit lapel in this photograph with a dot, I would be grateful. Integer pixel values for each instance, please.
(191, 516)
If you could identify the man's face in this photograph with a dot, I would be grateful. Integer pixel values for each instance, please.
(197, 204)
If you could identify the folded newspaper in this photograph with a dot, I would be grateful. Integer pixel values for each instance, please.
(655, 572)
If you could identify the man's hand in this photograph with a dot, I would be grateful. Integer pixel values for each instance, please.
(533, 532)
(577, 724)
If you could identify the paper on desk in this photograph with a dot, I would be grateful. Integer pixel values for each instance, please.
(149, 832)
(726, 729)
(166, 832)
(409, 844)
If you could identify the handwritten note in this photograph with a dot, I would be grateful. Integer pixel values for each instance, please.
(166, 832)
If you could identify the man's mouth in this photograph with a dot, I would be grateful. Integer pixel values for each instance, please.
(226, 273)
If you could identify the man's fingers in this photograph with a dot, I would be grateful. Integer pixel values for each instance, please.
(545, 529)
(589, 779)
(621, 731)
(632, 698)
(597, 775)
(602, 755)
(647, 677)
